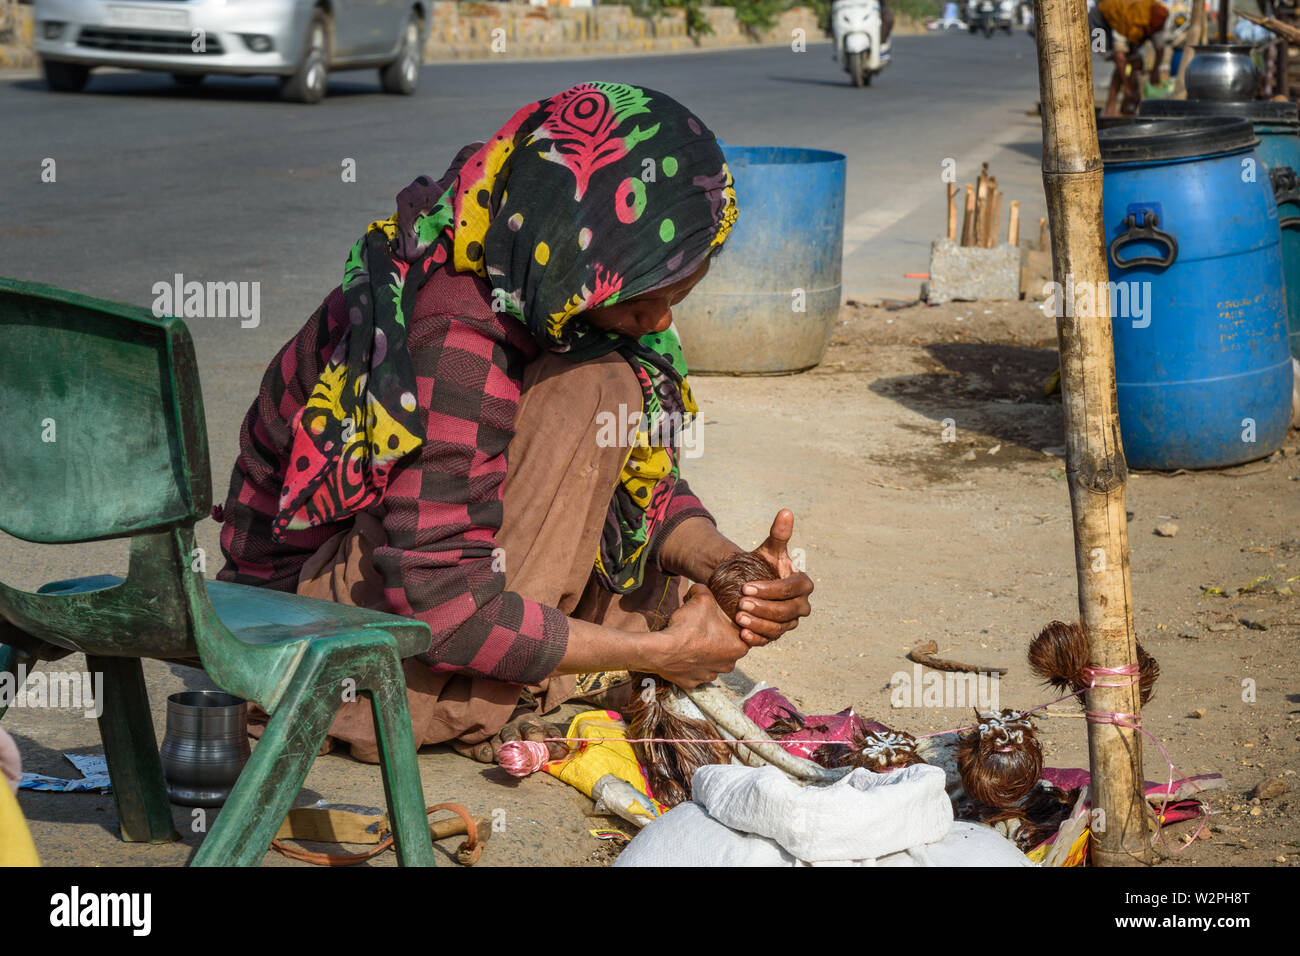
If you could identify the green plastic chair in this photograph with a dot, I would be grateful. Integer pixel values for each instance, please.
(118, 392)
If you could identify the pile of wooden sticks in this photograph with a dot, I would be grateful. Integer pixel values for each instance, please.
(982, 222)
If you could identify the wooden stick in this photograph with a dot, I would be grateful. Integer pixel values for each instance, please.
(952, 212)
(1095, 468)
(927, 653)
(981, 209)
(1284, 30)
(1013, 223)
(995, 224)
(1042, 233)
(968, 221)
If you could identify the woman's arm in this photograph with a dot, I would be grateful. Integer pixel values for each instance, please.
(698, 644)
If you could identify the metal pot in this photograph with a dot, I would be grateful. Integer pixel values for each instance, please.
(205, 747)
(1221, 71)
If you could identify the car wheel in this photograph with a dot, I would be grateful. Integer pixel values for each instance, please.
(188, 79)
(402, 76)
(65, 77)
(308, 82)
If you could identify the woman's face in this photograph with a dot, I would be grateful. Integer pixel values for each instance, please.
(645, 313)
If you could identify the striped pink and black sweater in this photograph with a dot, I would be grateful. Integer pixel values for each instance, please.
(442, 509)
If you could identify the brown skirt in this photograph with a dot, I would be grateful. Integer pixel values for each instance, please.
(557, 490)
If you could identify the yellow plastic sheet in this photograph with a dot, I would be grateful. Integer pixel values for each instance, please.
(591, 761)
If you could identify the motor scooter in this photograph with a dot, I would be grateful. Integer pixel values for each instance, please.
(856, 35)
(986, 16)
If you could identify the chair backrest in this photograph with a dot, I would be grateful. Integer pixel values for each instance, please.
(102, 432)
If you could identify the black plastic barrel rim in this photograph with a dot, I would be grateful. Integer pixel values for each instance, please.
(1191, 137)
(1259, 112)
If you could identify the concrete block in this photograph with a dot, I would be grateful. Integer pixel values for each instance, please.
(971, 273)
(1036, 274)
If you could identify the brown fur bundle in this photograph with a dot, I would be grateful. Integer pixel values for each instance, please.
(1000, 760)
(873, 751)
(731, 576)
(1035, 818)
(669, 767)
(1059, 655)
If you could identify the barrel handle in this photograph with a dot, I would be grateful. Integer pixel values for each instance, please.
(1286, 188)
(1147, 231)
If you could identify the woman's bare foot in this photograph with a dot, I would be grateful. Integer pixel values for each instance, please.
(524, 725)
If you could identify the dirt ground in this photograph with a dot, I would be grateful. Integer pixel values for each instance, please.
(908, 537)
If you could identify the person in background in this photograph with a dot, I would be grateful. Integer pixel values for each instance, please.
(1137, 21)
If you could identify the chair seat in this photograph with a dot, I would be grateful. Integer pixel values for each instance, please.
(268, 617)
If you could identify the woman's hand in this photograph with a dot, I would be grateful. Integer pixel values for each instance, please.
(698, 644)
(770, 608)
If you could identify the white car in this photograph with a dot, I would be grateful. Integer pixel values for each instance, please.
(298, 40)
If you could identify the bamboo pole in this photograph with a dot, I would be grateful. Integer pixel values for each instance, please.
(1013, 223)
(968, 221)
(1095, 466)
(952, 212)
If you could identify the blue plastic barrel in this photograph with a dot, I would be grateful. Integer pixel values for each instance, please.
(1202, 365)
(1278, 127)
(772, 296)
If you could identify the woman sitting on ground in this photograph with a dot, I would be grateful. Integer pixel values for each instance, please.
(447, 438)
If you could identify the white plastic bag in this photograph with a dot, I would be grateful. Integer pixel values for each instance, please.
(861, 815)
(741, 816)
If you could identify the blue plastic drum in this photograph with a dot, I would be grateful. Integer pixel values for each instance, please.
(772, 297)
(1202, 363)
(1278, 127)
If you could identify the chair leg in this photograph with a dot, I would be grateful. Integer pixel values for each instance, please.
(8, 665)
(126, 727)
(397, 760)
(282, 758)
(275, 772)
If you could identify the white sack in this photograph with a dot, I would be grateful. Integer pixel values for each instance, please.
(887, 819)
(862, 815)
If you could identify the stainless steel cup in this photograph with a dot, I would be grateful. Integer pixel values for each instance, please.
(205, 747)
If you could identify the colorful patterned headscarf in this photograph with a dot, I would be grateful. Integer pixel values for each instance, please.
(592, 196)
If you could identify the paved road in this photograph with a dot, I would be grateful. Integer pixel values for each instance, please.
(227, 183)
(230, 183)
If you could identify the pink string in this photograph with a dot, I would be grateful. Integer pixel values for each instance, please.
(519, 758)
(1134, 722)
(522, 757)
(671, 740)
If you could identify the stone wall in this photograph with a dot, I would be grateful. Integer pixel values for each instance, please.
(16, 35)
(511, 31)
